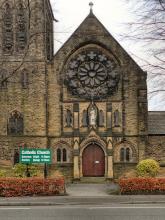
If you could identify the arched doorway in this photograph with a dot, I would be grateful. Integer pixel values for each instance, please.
(93, 161)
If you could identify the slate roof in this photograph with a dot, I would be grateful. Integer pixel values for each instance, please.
(156, 122)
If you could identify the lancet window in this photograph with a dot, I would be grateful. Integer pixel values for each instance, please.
(7, 29)
(15, 123)
(21, 27)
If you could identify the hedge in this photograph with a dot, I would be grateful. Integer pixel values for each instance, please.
(142, 186)
(13, 187)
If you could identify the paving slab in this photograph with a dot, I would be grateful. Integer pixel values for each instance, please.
(88, 190)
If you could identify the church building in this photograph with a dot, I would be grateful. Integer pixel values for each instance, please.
(87, 103)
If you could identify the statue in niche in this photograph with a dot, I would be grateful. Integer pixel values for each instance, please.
(68, 118)
(92, 116)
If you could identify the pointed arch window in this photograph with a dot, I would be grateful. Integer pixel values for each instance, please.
(116, 118)
(21, 26)
(61, 155)
(3, 79)
(84, 118)
(122, 154)
(58, 155)
(15, 124)
(24, 79)
(7, 29)
(125, 154)
(64, 155)
(101, 118)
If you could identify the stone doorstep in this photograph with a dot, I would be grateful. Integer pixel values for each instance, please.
(92, 180)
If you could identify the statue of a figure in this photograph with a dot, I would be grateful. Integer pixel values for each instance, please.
(92, 117)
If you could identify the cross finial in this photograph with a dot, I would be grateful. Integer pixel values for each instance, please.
(91, 6)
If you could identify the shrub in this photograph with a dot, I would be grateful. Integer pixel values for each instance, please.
(12, 187)
(20, 170)
(147, 168)
(2, 173)
(142, 186)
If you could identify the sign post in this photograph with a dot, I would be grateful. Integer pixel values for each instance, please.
(36, 156)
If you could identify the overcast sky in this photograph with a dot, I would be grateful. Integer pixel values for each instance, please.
(70, 13)
(112, 13)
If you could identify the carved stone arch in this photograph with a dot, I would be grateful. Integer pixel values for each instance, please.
(16, 111)
(91, 140)
(62, 145)
(84, 46)
(125, 145)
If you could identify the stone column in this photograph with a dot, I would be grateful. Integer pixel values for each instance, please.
(110, 159)
(76, 170)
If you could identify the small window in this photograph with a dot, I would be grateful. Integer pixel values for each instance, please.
(61, 155)
(125, 154)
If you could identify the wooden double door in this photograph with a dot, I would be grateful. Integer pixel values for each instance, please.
(93, 161)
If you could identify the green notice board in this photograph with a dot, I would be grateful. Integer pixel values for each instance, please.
(29, 156)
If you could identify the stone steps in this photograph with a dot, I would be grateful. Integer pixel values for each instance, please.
(92, 180)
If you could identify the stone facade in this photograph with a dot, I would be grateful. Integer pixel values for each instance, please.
(91, 94)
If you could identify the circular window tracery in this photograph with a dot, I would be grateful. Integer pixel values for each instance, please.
(91, 74)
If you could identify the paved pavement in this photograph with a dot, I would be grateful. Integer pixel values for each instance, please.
(88, 190)
(84, 194)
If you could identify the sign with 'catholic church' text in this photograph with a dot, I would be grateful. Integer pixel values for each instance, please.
(30, 156)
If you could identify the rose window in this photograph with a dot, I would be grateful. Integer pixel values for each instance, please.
(92, 75)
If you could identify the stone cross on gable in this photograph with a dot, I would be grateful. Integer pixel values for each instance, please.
(91, 6)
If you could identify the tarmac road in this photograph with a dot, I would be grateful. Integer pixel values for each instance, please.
(85, 212)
